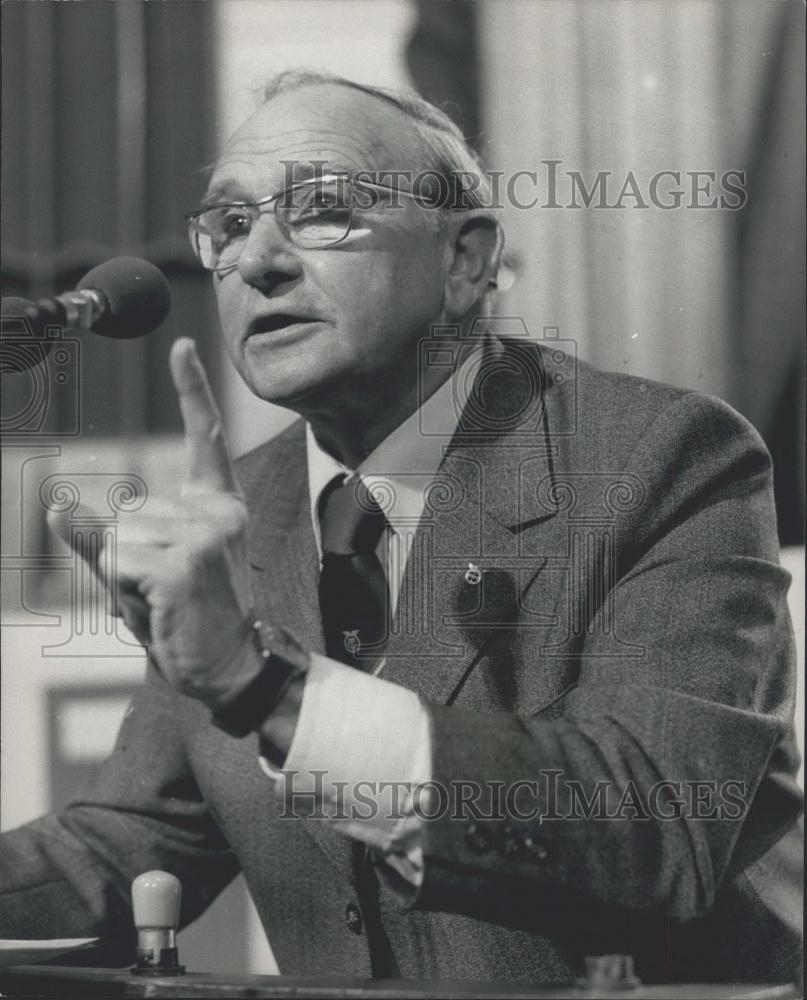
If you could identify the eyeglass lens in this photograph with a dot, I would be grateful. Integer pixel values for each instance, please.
(312, 215)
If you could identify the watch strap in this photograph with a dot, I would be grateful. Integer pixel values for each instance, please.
(283, 659)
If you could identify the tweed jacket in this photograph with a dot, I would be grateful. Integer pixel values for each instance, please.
(626, 648)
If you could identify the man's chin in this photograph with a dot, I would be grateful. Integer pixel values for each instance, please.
(293, 390)
(285, 371)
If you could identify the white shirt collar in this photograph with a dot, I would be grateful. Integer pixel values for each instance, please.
(399, 472)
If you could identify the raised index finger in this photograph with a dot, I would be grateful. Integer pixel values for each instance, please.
(210, 469)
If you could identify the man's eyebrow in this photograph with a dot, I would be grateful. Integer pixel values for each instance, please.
(306, 170)
(224, 191)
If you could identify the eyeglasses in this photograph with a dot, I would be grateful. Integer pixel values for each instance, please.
(313, 214)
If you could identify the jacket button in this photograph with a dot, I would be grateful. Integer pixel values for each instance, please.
(478, 838)
(353, 918)
(536, 848)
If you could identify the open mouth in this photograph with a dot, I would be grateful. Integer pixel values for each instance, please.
(276, 322)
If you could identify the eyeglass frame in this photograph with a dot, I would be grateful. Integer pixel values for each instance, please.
(192, 216)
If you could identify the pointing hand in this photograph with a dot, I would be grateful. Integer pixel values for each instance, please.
(181, 574)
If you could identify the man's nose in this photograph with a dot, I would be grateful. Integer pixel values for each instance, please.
(268, 258)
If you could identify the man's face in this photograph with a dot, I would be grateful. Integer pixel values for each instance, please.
(363, 304)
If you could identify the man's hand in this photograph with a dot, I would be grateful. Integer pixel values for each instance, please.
(181, 574)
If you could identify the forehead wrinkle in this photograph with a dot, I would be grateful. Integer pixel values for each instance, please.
(228, 178)
(323, 146)
(357, 126)
(345, 131)
(398, 146)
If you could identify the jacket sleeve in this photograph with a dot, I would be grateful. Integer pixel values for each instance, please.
(70, 875)
(636, 793)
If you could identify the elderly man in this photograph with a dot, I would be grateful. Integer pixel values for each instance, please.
(482, 666)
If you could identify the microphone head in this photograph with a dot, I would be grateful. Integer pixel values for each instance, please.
(137, 293)
(20, 348)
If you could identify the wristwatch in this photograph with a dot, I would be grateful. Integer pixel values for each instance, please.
(283, 660)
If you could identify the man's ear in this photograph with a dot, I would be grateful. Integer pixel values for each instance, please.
(476, 249)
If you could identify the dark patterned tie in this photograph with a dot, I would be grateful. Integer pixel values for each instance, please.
(353, 594)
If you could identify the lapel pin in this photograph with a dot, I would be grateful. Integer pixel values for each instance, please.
(473, 575)
(352, 641)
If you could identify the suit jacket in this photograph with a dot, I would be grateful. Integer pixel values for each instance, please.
(629, 631)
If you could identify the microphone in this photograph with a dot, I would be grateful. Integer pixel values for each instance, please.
(122, 298)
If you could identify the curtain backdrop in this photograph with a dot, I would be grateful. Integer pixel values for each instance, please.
(442, 56)
(107, 121)
(709, 298)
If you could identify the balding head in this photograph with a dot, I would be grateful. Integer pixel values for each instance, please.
(340, 128)
(437, 144)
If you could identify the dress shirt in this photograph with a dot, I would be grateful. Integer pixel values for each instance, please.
(360, 729)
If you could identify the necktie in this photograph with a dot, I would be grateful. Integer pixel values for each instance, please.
(353, 594)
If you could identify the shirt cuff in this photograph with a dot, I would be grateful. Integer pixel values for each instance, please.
(361, 749)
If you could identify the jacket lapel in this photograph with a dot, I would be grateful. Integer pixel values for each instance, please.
(285, 566)
(470, 566)
(466, 575)
(488, 496)
(283, 550)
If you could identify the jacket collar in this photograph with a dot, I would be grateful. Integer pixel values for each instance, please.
(400, 470)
